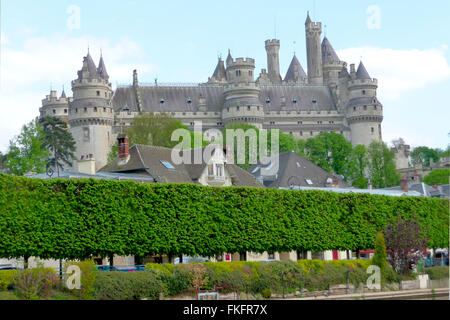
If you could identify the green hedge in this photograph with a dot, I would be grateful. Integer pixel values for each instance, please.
(75, 219)
(7, 278)
(437, 273)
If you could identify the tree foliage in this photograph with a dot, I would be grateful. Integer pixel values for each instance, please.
(26, 151)
(406, 241)
(59, 140)
(74, 219)
(423, 155)
(382, 170)
(437, 176)
(380, 256)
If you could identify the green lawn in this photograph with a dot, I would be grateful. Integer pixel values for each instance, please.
(8, 295)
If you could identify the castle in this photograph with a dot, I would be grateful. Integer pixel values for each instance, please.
(329, 97)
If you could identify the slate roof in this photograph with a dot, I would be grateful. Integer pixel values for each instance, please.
(426, 190)
(90, 67)
(362, 73)
(102, 69)
(381, 192)
(147, 161)
(176, 98)
(328, 53)
(219, 72)
(295, 71)
(295, 170)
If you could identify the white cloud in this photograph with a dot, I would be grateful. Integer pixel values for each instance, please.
(4, 39)
(400, 71)
(27, 72)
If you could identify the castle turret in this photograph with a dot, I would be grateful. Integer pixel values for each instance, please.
(273, 60)
(53, 106)
(314, 51)
(242, 94)
(90, 114)
(332, 65)
(364, 111)
(219, 75)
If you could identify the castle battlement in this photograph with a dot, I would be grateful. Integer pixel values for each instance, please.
(242, 62)
(362, 82)
(102, 82)
(273, 42)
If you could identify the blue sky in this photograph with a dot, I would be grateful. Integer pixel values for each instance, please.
(179, 41)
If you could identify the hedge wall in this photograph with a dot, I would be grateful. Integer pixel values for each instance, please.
(74, 219)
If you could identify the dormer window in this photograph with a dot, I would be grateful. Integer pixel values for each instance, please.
(294, 100)
(314, 100)
(189, 100)
(364, 92)
(365, 107)
(161, 100)
(267, 100)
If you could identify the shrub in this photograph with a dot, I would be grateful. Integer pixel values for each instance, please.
(6, 278)
(380, 257)
(437, 273)
(127, 286)
(177, 282)
(88, 275)
(35, 283)
(267, 294)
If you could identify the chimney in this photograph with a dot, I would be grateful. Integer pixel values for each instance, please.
(135, 78)
(404, 184)
(86, 166)
(335, 182)
(124, 150)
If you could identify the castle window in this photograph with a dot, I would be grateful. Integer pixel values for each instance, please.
(219, 123)
(161, 101)
(249, 108)
(228, 109)
(104, 109)
(192, 124)
(314, 100)
(65, 110)
(106, 95)
(294, 100)
(311, 133)
(272, 122)
(319, 122)
(237, 108)
(86, 134)
(85, 109)
(372, 130)
(301, 133)
(267, 100)
(290, 132)
(76, 110)
(364, 92)
(374, 107)
(250, 73)
(189, 100)
(365, 107)
(238, 73)
(342, 132)
(54, 111)
(354, 108)
(95, 109)
(300, 122)
(257, 108)
(98, 93)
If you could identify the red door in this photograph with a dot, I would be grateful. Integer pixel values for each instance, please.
(335, 255)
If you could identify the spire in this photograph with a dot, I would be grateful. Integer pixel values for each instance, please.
(102, 69)
(89, 70)
(219, 72)
(63, 94)
(328, 53)
(295, 71)
(308, 19)
(362, 73)
(229, 58)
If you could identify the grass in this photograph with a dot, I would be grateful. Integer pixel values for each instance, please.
(8, 295)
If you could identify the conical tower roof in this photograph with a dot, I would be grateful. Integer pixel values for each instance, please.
(295, 71)
(328, 53)
(63, 94)
(229, 58)
(89, 70)
(308, 19)
(102, 69)
(362, 72)
(219, 72)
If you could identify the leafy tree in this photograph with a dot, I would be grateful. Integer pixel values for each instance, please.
(2, 160)
(405, 242)
(26, 151)
(330, 151)
(380, 256)
(59, 141)
(438, 176)
(382, 170)
(156, 130)
(357, 167)
(444, 153)
(422, 155)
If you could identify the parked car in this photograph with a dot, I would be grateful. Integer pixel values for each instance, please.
(191, 259)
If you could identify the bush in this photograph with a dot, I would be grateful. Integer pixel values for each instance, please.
(127, 286)
(31, 284)
(6, 278)
(267, 294)
(436, 273)
(88, 275)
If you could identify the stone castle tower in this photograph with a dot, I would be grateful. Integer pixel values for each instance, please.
(329, 97)
(91, 116)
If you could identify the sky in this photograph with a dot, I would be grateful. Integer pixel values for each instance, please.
(404, 44)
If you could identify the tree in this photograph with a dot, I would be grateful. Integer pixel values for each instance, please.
(154, 129)
(26, 151)
(380, 256)
(405, 243)
(330, 151)
(357, 167)
(438, 176)
(382, 170)
(2, 160)
(422, 155)
(59, 141)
